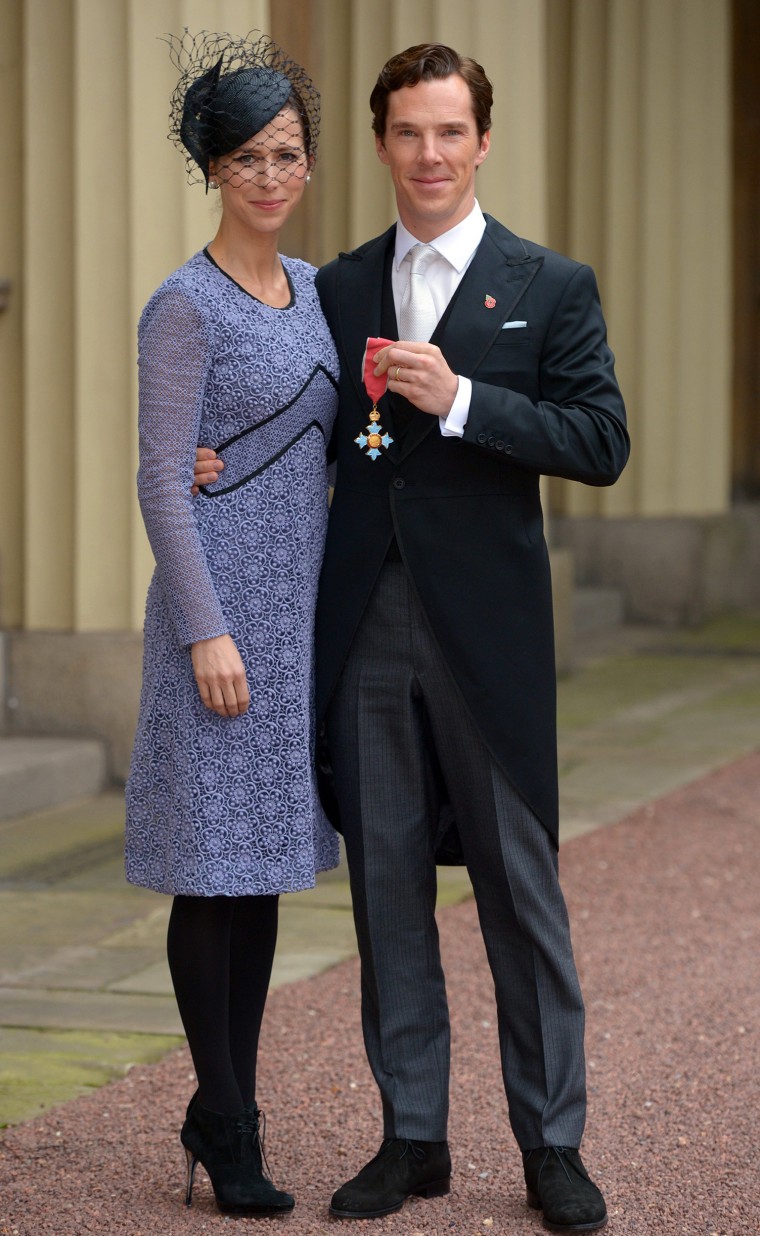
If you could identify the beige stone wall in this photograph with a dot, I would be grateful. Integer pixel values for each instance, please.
(610, 141)
(643, 160)
(11, 388)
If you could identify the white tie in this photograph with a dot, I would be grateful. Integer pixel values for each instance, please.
(417, 317)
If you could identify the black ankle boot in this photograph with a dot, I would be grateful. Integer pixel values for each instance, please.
(558, 1183)
(231, 1150)
(402, 1168)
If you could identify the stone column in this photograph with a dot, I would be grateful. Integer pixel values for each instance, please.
(11, 270)
(49, 458)
(648, 196)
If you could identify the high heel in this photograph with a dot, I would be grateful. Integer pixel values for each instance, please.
(192, 1163)
(231, 1150)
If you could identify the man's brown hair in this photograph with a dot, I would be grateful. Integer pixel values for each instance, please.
(423, 63)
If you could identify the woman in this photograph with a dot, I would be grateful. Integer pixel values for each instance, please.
(222, 808)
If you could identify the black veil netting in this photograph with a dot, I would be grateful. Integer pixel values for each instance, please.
(232, 88)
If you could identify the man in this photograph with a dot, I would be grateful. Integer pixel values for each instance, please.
(435, 668)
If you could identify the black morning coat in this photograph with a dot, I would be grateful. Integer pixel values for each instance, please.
(466, 513)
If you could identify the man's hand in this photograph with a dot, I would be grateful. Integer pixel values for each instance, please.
(207, 467)
(220, 675)
(419, 372)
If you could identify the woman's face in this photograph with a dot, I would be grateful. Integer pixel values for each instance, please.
(263, 180)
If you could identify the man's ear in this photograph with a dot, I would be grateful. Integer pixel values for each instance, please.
(382, 153)
(485, 145)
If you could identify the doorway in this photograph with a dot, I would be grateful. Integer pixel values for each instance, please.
(745, 462)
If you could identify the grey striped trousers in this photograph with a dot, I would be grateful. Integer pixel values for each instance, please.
(399, 733)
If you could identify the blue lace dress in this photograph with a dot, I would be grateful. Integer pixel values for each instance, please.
(220, 805)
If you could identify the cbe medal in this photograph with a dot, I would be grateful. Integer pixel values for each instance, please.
(374, 440)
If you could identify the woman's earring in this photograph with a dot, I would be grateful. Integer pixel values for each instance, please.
(308, 178)
(212, 184)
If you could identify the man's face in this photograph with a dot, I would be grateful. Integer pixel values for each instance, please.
(432, 148)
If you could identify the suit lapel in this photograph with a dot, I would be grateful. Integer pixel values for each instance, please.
(501, 271)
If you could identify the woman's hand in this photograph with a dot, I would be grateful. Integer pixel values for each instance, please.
(220, 674)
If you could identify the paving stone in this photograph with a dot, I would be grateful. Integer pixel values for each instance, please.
(89, 1010)
(71, 1062)
(41, 772)
(81, 967)
(153, 980)
(49, 836)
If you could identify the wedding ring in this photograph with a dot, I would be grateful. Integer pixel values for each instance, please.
(398, 371)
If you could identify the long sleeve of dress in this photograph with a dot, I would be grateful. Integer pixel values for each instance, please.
(174, 359)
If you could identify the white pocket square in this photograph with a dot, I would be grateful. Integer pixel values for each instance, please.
(513, 325)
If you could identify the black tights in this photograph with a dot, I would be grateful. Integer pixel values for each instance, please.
(220, 952)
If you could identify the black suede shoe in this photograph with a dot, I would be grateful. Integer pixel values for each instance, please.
(399, 1170)
(558, 1183)
(231, 1150)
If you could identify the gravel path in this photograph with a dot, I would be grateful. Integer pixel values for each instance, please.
(666, 918)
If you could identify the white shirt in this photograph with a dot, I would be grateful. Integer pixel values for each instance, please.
(456, 249)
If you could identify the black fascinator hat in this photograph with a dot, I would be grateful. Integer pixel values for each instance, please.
(229, 89)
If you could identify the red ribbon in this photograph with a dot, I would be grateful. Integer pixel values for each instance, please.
(376, 386)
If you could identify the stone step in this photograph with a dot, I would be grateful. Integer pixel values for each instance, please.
(597, 609)
(37, 773)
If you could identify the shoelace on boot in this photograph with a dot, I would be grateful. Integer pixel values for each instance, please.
(559, 1153)
(416, 1150)
(409, 1145)
(254, 1122)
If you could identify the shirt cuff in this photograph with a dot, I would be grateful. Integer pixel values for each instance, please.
(452, 426)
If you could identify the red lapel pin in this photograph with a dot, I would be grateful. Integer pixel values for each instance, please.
(490, 303)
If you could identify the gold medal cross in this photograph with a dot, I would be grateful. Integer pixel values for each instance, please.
(373, 438)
